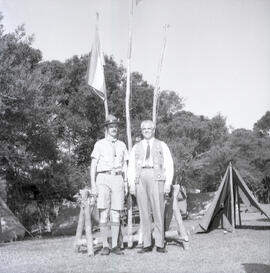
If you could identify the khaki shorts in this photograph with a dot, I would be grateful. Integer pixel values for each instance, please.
(111, 191)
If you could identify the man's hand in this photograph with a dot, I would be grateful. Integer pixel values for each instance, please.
(126, 188)
(94, 191)
(132, 189)
(167, 188)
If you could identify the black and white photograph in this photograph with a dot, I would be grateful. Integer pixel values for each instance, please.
(134, 136)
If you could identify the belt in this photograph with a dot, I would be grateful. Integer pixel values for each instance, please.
(147, 167)
(113, 172)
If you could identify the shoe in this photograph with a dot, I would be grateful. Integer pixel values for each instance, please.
(161, 249)
(105, 251)
(116, 250)
(139, 246)
(183, 239)
(144, 250)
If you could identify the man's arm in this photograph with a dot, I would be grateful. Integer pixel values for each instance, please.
(93, 171)
(124, 169)
(168, 165)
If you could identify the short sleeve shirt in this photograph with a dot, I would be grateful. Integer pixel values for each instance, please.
(110, 155)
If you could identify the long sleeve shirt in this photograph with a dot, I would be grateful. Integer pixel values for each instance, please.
(168, 162)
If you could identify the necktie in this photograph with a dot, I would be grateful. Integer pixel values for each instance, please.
(147, 151)
(114, 148)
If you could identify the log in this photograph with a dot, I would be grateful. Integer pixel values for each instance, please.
(79, 230)
(87, 206)
(178, 217)
(88, 229)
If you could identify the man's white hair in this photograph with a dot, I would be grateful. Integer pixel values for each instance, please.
(147, 121)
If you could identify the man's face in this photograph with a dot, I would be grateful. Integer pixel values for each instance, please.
(148, 130)
(112, 130)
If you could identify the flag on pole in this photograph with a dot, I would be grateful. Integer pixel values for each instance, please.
(95, 72)
(138, 1)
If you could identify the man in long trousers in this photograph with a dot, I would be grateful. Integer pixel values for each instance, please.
(150, 174)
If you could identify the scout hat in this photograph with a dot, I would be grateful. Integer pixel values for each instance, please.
(111, 120)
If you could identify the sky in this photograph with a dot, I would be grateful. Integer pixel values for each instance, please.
(217, 53)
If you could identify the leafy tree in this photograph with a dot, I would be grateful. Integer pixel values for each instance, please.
(262, 126)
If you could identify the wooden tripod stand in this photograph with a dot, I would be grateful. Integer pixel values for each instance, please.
(87, 201)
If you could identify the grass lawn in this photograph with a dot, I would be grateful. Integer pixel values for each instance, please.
(245, 250)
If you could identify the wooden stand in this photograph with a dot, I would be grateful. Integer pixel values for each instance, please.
(177, 215)
(180, 235)
(87, 205)
(130, 241)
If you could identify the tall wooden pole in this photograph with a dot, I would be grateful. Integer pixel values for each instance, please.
(128, 92)
(156, 91)
(102, 58)
(232, 198)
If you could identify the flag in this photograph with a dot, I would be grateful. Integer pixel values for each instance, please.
(137, 2)
(95, 72)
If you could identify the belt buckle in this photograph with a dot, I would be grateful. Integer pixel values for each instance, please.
(113, 172)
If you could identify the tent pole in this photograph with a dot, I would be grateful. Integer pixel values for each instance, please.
(0, 231)
(234, 203)
(239, 210)
(232, 198)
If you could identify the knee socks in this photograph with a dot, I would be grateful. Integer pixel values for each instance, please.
(104, 230)
(115, 233)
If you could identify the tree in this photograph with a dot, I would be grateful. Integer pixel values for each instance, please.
(262, 126)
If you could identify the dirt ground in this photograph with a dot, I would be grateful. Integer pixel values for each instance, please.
(245, 250)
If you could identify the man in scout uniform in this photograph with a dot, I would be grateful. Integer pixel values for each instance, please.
(150, 174)
(108, 181)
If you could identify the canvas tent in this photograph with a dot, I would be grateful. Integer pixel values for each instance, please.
(198, 203)
(67, 220)
(222, 212)
(11, 228)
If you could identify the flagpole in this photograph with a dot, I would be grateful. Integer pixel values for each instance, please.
(156, 91)
(105, 93)
(128, 92)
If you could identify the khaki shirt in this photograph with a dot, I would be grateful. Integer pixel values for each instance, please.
(110, 155)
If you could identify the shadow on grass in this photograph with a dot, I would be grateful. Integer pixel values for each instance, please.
(172, 241)
(97, 249)
(256, 268)
(263, 220)
(253, 227)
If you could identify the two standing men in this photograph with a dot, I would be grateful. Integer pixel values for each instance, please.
(150, 175)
